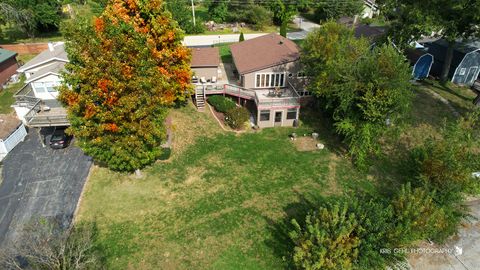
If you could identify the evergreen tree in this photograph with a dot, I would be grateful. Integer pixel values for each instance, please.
(124, 72)
(242, 37)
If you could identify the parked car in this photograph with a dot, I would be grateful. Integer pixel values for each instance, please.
(59, 138)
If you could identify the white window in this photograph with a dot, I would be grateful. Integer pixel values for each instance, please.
(462, 71)
(263, 80)
(39, 87)
(43, 87)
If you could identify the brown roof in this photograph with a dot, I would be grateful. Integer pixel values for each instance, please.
(263, 52)
(8, 124)
(205, 57)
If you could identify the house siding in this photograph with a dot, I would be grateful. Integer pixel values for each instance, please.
(207, 72)
(271, 122)
(292, 67)
(7, 69)
(47, 79)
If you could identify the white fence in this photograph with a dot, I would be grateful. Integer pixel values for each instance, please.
(7, 145)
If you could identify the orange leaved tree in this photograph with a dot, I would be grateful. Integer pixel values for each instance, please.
(126, 68)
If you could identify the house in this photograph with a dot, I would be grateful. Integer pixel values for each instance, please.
(205, 63)
(8, 65)
(12, 132)
(369, 31)
(465, 65)
(370, 9)
(421, 61)
(36, 103)
(266, 76)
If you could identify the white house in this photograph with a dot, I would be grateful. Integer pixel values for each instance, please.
(36, 103)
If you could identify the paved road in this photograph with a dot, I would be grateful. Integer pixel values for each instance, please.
(208, 40)
(39, 181)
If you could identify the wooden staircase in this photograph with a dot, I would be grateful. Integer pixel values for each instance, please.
(200, 98)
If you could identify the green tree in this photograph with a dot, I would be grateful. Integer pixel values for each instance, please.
(124, 72)
(23, 18)
(241, 38)
(182, 13)
(45, 15)
(333, 9)
(328, 239)
(363, 89)
(283, 12)
(453, 20)
(217, 10)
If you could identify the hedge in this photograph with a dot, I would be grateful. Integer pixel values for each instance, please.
(221, 103)
(236, 117)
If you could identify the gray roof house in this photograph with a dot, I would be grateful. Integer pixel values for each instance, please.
(36, 103)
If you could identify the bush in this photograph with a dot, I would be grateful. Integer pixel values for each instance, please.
(242, 37)
(328, 240)
(236, 117)
(221, 103)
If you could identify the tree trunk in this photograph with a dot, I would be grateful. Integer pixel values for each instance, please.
(448, 62)
(283, 28)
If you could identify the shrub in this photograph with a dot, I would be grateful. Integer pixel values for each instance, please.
(236, 117)
(166, 152)
(221, 103)
(242, 37)
(328, 240)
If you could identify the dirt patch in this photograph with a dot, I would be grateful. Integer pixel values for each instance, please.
(304, 144)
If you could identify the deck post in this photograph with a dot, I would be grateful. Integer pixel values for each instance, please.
(224, 89)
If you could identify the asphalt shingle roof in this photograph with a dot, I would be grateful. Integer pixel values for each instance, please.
(6, 54)
(263, 52)
(205, 57)
(47, 55)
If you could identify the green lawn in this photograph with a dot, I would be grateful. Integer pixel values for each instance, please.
(6, 96)
(225, 200)
(225, 53)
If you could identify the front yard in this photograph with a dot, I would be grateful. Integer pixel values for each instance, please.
(224, 201)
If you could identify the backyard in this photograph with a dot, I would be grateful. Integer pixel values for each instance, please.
(224, 201)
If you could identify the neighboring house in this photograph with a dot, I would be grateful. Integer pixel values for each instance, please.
(265, 74)
(8, 65)
(465, 65)
(368, 31)
(12, 132)
(205, 63)
(36, 103)
(370, 9)
(421, 61)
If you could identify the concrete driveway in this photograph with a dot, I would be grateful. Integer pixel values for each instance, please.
(39, 182)
(460, 253)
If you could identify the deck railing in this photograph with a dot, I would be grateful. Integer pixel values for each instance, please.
(34, 117)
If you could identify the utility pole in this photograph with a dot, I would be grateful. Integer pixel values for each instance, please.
(193, 13)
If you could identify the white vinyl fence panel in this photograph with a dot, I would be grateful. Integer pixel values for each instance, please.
(16, 137)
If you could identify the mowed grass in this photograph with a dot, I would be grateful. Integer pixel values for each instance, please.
(225, 200)
(6, 96)
(220, 203)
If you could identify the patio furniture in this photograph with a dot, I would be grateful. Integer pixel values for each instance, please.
(194, 79)
(271, 93)
(214, 79)
(203, 80)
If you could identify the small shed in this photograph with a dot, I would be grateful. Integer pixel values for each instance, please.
(12, 132)
(206, 62)
(8, 65)
(465, 65)
(421, 61)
